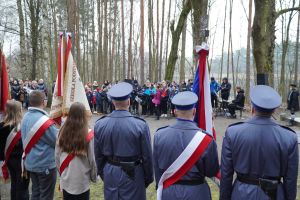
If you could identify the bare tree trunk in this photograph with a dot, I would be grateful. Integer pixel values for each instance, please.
(34, 13)
(110, 66)
(161, 41)
(105, 48)
(114, 39)
(248, 62)
(285, 45)
(84, 53)
(86, 75)
(232, 66)
(199, 11)
(223, 43)
(118, 66)
(77, 38)
(264, 38)
(100, 52)
(263, 35)
(71, 11)
(94, 43)
(53, 68)
(22, 36)
(168, 33)
(129, 69)
(142, 59)
(156, 70)
(297, 50)
(182, 59)
(123, 40)
(230, 37)
(175, 39)
(150, 11)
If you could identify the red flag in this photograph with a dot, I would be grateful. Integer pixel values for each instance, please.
(4, 90)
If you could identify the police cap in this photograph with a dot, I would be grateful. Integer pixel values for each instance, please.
(120, 91)
(264, 98)
(185, 100)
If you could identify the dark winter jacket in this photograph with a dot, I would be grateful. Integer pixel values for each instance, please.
(42, 87)
(240, 99)
(4, 132)
(293, 101)
(225, 90)
(15, 92)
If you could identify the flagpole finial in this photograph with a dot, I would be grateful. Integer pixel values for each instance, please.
(69, 34)
(203, 46)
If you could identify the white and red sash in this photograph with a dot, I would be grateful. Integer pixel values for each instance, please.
(71, 156)
(184, 162)
(35, 134)
(11, 141)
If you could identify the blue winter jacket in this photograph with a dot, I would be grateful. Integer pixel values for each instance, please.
(214, 87)
(41, 157)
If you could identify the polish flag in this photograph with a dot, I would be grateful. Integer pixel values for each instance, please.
(204, 114)
(201, 87)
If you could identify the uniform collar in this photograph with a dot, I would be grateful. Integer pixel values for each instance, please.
(261, 120)
(33, 109)
(185, 125)
(120, 113)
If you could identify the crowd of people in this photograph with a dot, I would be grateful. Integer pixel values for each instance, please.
(156, 98)
(119, 150)
(153, 98)
(20, 89)
(225, 104)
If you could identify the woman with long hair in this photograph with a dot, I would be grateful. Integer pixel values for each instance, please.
(11, 137)
(76, 141)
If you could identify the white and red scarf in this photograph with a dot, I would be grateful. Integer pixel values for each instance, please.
(184, 162)
(11, 141)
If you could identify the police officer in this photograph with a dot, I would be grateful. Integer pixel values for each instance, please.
(170, 142)
(263, 154)
(123, 149)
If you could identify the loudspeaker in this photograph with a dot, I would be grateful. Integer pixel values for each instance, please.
(262, 79)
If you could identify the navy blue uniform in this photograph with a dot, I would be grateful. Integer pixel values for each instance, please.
(169, 143)
(123, 136)
(259, 148)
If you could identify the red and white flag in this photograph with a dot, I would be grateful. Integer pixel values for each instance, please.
(4, 83)
(68, 87)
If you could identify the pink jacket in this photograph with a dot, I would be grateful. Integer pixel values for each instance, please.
(156, 98)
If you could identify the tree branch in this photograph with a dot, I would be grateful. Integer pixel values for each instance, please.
(283, 11)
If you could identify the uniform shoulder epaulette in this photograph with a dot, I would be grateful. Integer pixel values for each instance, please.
(136, 117)
(162, 128)
(102, 117)
(234, 124)
(288, 128)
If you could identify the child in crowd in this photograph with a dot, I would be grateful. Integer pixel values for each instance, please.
(76, 140)
(156, 101)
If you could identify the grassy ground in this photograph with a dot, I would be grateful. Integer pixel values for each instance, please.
(97, 192)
